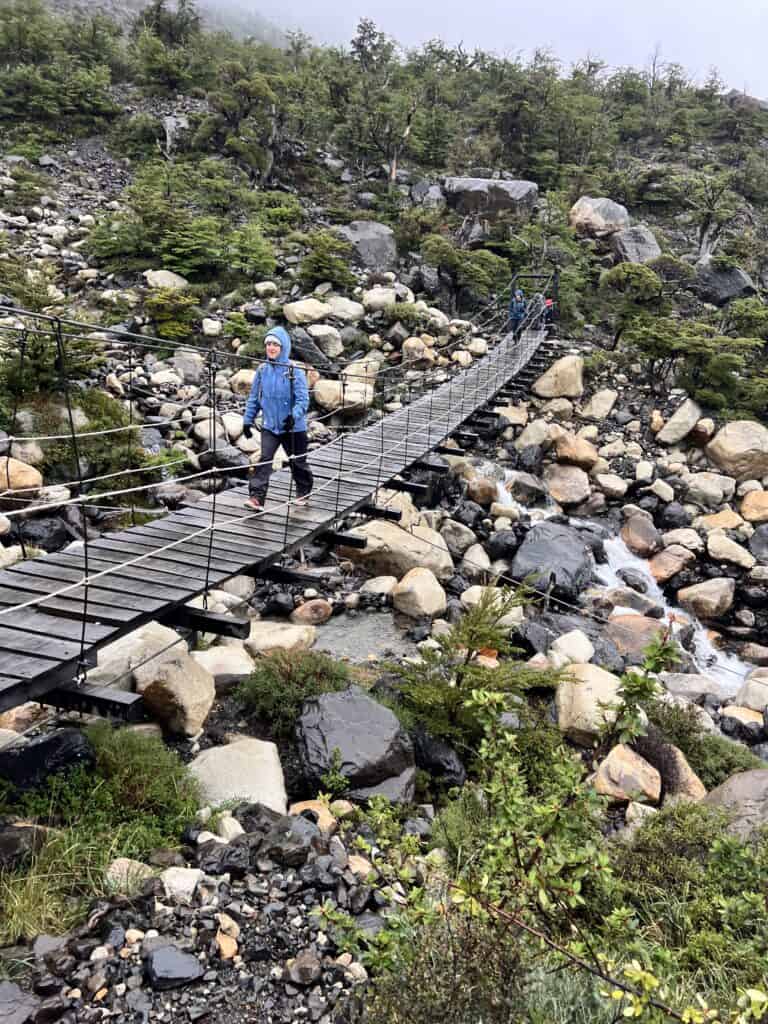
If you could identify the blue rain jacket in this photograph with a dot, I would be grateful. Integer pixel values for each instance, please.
(272, 387)
(517, 306)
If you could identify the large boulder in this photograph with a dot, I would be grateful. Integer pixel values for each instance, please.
(744, 797)
(393, 551)
(553, 553)
(229, 666)
(266, 636)
(165, 279)
(710, 599)
(306, 311)
(247, 769)
(740, 449)
(178, 691)
(363, 739)
(680, 423)
(16, 475)
(562, 380)
(598, 217)
(586, 700)
(490, 196)
(18, 1006)
(624, 775)
(352, 397)
(635, 245)
(373, 243)
(719, 283)
(419, 595)
(600, 405)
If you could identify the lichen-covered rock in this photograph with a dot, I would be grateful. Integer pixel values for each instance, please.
(740, 448)
(564, 379)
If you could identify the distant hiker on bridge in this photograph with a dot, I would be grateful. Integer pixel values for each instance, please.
(517, 308)
(279, 391)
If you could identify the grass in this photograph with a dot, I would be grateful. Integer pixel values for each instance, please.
(138, 798)
(283, 680)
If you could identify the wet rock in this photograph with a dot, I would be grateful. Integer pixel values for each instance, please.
(169, 967)
(19, 842)
(554, 555)
(438, 758)
(710, 599)
(721, 284)
(28, 766)
(568, 485)
(376, 754)
(17, 1006)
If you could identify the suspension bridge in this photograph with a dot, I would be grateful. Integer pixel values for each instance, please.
(58, 610)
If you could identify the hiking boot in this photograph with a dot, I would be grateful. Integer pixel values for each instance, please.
(254, 503)
(303, 501)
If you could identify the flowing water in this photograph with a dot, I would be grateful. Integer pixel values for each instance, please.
(726, 668)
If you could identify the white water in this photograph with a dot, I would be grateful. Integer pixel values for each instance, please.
(727, 669)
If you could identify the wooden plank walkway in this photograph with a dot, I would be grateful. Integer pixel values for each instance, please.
(40, 645)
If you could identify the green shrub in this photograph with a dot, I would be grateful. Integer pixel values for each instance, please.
(713, 758)
(173, 312)
(283, 680)
(408, 313)
(138, 798)
(193, 245)
(278, 212)
(250, 252)
(327, 260)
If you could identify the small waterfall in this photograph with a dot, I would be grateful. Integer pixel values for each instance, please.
(727, 669)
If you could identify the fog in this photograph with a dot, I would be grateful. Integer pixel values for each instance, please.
(697, 33)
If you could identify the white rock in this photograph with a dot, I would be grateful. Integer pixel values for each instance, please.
(179, 692)
(165, 279)
(268, 636)
(180, 884)
(383, 585)
(681, 423)
(306, 311)
(586, 700)
(419, 595)
(574, 646)
(212, 328)
(229, 666)
(247, 769)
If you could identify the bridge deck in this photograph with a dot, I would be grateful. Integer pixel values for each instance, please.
(40, 646)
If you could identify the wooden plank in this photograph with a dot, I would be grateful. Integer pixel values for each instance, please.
(60, 606)
(28, 643)
(95, 594)
(131, 550)
(181, 574)
(59, 569)
(24, 666)
(227, 543)
(31, 620)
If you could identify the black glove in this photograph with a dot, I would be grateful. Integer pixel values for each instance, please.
(248, 430)
(289, 424)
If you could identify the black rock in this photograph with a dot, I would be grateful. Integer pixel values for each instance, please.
(673, 516)
(758, 543)
(554, 556)
(438, 758)
(51, 1009)
(225, 457)
(255, 313)
(634, 580)
(376, 753)
(18, 844)
(468, 513)
(168, 967)
(16, 1006)
(502, 544)
(51, 533)
(747, 732)
(28, 767)
(530, 459)
(291, 841)
(305, 350)
(151, 438)
(219, 859)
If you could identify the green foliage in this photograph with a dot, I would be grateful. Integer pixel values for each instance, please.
(327, 260)
(250, 252)
(481, 271)
(630, 291)
(435, 693)
(408, 314)
(713, 758)
(282, 681)
(173, 312)
(334, 781)
(32, 361)
(278, 212)
(251, 335)
(639, 689)
(697, 891)
(138, 798)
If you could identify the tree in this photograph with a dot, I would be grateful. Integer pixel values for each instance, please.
(630, 291)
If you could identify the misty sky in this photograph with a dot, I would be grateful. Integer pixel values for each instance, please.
(698, 33)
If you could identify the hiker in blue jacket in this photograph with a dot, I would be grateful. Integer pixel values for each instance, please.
(279, 391)
(517, 308)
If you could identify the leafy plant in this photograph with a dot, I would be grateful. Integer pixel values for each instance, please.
(327, 260)
(250, 252)
(173, 312)
(282, 681)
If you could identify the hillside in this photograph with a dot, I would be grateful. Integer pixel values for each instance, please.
(496, 749)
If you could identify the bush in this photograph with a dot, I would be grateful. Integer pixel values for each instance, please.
(283, 680)
(278, 212)
(327, 260)
(250, 252)
(172, 311)
(713, 758)
(192, 246)
(139, 797)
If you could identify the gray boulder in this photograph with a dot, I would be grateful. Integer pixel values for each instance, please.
(744, 797)
(635, 245)
(552, 553)
(488, 196)
(376, 754)
(373, 243)
(720, 284)
(598, 217)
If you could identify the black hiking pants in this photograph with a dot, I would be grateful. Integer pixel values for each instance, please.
(294, 443)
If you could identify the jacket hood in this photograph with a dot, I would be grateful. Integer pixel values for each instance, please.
(285, 343)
